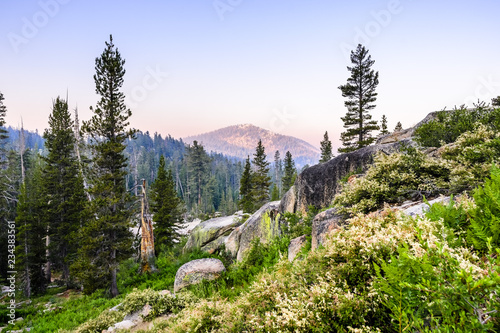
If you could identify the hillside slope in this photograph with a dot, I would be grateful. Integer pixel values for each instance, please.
(240, 141)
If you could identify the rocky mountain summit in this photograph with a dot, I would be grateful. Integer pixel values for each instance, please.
(240, 141)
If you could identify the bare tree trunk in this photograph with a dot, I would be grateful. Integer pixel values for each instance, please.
(147, 240)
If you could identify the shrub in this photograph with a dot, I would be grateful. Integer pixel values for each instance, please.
(471, 156)
(102, 322)
(449, 125)
(409, 174)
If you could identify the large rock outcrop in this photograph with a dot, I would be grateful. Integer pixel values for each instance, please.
(196, 271)
(317, 185)
(263, 224)
(210, 235)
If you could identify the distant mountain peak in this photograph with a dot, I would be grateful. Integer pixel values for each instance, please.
(240, 141)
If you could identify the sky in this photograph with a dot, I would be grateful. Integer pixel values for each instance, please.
(199, 65)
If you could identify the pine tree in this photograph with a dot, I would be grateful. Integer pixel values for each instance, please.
(398, 127)
(246, 202)
(31, 231)
(106, 238)
(383, 126)
(62, 188)
(166, 208)
(197, 163)
(260, 178)
(290, 172)
(326, 149)
(360, 94)
(278, 172)
(275, 195)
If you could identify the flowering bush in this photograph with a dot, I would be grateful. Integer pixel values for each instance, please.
(392, 179)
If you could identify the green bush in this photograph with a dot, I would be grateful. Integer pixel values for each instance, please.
(409, 174)
(449, 125)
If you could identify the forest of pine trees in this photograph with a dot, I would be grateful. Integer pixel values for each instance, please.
(73, 194)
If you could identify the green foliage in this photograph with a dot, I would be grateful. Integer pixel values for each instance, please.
(471, 156)
(358, 171)
(449, 125)
(31, 231)
(62, 189)
(100, 323)
(166, 207)
(409, 174)
(326, 149)
(295, 225)
(260, 176)
(246, 202)
(484, 228)
(275, 193)
(360, 93)
(106, 239)
(290, 172)
(454, 216)
(433, 292)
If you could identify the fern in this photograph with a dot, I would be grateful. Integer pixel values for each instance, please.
(485, 219)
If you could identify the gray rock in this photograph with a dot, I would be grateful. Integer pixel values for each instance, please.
(210, 230)
(214, 245)
(419, 208)
(123, 325)
(195, 271)
(317, 185)
(232, 242)
(295, 247)
(263, 224)
(323, 223)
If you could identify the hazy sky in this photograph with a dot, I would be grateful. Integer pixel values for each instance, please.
(195, 66)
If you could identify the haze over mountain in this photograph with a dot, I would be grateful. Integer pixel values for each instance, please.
(240, 141)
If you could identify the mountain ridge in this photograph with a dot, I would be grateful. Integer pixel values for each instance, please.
(240, 141)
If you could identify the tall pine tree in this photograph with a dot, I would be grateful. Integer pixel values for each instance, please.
(197, 164)
(290, 172)
(326, 149)
(62, 188)
(106, 237)
(31, 228)
(246, 202)
(260, 177)
(360, 93)
(166, 207)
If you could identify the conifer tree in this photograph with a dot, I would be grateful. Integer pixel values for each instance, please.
(398, 127)
(278, 172)
(166, 208)
(290, 172)
(197, 162)
(360, 93)
(246, 202)
(31, 231)
(326, 149)
(383, 126)
(106, 237)
(62, 188)
(275, 195)
(260, 178)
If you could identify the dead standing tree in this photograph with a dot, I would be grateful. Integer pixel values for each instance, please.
(147, 237)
